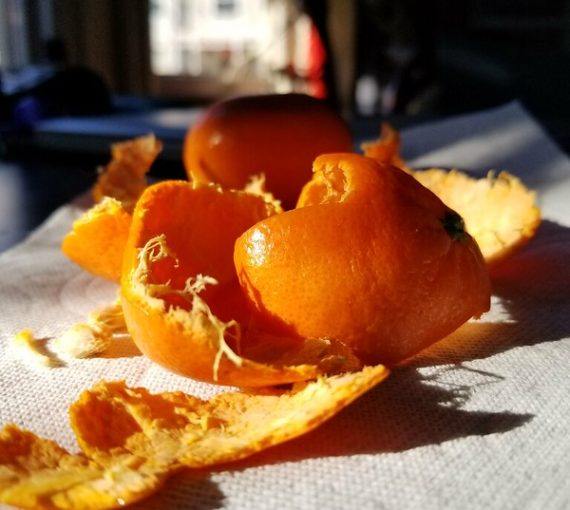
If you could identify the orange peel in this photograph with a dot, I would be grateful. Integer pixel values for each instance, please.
(124, 178)
(27, 348)
(178, 428)
(98, 239)
(37, 473)
(499, 211)
(179, 234)
(95, 336)
(385, 149)
(132, 440)
(369, 257)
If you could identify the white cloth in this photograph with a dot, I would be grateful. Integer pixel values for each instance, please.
(485, 428)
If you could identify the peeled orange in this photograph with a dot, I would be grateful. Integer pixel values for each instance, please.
(369, 257)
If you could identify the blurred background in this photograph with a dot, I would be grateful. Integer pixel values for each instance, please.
(76, 75)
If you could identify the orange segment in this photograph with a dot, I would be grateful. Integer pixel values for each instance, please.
(370, 258)
(98, 239)
(193, 324)
(499, 211)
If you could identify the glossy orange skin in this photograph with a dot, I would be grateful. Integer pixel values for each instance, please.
(277, 135)
(365, 259)
(97, 241)
(200, 226)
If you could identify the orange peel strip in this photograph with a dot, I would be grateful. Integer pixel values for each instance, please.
(499, 211)
(385, 149)
(98, 239)
(37, 473)
(124, 177)
(178, 428)
(133, 440)
(180, 233)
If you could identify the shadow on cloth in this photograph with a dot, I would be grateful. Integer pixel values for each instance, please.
(123, 347)
(412, 409)
(406, 411)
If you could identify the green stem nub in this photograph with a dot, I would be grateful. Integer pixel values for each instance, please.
(454, 226)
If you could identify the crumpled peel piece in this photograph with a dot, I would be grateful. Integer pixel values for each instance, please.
(132, 440)
(98, 238)
(124, 177)
(178, 428)
(26, 347)
(84, 340)
(37, 473)
(499, 211)
(204, 337)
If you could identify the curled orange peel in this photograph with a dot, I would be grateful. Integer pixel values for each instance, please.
(124, 178)
(176, 428)
(182, 302)
(132, 440)
(98, 239)
(499, 211)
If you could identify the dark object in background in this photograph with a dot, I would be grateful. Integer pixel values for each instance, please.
(71, 92)
(396, 57)
(54, 90)
(318, 12)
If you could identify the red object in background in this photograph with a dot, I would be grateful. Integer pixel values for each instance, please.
(317, 58)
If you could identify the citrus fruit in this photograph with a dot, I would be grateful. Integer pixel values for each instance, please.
(275, 135)
(369, 257)
(499, 211)
(183, 304)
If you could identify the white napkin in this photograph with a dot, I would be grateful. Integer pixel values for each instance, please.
(484, 429)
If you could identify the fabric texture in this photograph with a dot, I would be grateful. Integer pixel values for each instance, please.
(484, 425)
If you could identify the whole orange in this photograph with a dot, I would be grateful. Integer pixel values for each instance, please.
(369, 257)
(275, 135)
